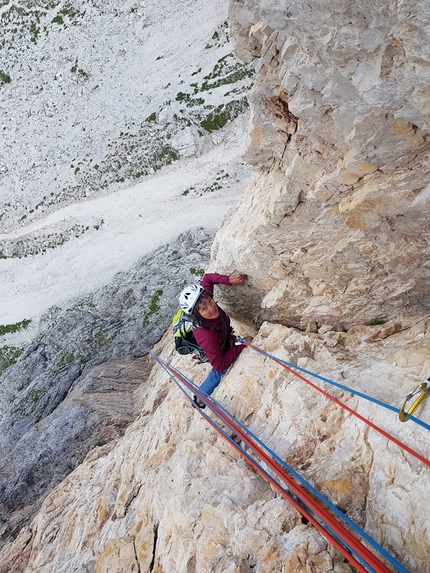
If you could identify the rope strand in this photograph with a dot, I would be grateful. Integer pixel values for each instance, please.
(337, 531)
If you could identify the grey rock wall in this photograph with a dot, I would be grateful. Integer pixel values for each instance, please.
(56, 404)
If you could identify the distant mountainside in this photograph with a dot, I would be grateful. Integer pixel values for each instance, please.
(123, 125)
(99, 93)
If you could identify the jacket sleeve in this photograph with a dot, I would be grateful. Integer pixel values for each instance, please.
(219, 360)
(211, 279)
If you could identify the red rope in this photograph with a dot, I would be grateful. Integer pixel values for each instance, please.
(350, 410)
(371, 559)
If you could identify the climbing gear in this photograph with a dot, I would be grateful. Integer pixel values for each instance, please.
(289, 365)
(199, 403)
(424, 388)
(185, 343)
(189, 297)
(350, 547)
(291, 368)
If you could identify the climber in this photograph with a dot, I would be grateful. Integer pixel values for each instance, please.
(212, 329)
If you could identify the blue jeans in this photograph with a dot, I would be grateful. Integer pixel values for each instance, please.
(212, 381)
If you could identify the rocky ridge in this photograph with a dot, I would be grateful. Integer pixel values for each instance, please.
(172, 496)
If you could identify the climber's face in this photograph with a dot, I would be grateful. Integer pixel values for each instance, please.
(208, 308)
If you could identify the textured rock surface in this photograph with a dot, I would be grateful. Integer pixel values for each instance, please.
(47, 425)
(173, 497)
(335, 228)
(95, 412)
(332, 233)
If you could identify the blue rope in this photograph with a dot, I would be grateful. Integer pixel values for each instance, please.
(339, 513)
(341, 386)
(251, 460)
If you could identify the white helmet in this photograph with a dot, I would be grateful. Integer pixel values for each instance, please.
(189, 296)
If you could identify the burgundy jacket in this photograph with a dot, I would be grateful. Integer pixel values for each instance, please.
(210, 336)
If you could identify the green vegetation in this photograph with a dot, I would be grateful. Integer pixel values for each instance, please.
(140, 150)
(66, 360)
(28, 20)
(154, 306)
(198, 272)
(35, 395)
(211, 188)
(185, 193)
(12, 328)
(151, 118)
(188, 99)
(22, 248)
(70, 12)
(226, 71)
(376, 320)
(219, 37)
(4, 78)
(80, 72)
(8, 356)
(101, 340)
(24, 384)
(224, 113)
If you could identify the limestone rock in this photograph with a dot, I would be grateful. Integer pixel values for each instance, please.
(173, 496)
(335, 227)
(185, 142)
(54, 406)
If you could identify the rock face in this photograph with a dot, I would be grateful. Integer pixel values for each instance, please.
(172, 496)
(54, 405)
(96, 411)
(332, 233)
(335, 228)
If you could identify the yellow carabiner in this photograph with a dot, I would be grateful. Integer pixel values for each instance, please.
(424, 388)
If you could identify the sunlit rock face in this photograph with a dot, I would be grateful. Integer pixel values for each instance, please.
(335, 227)
(172, 496)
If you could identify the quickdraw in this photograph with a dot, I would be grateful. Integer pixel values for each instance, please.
(423, 390)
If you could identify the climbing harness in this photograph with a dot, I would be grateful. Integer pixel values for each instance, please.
(349, 546)
(423, 390)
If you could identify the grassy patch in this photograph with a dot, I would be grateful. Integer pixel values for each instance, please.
(35, 395)
(12, 328)
(217, 118)
(8, 356)
(198, 272)
(28, 21)
(66, 360)
(153, 307)
(211, 188)
(185, 193)
(377, 320)
(4, 77)
(151, 118)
